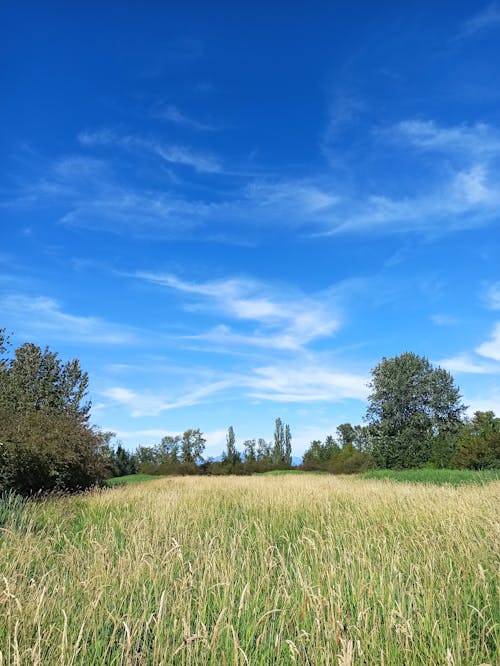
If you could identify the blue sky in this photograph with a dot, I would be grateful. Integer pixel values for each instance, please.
(232, 211)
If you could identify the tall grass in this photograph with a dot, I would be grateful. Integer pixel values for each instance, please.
(454, 477)
(254, 570)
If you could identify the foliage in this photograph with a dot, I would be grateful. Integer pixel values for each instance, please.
(411, 404)
(46, 442)
(478, 445)
(341, 455)
(231, 456)
(282, 448)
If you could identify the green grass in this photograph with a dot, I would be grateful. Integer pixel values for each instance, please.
(455, 477)
(288, 569)
(130, 478)
(282, 472)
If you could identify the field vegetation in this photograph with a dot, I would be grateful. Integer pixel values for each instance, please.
(288, 569)
(454, 477)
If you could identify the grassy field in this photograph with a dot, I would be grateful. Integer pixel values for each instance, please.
(454, 477)
(130, 478)
(291, 569)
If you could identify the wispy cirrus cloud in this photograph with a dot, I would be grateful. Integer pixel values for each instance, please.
(172, 114)
(150, 404)
(475, 141)
(42, 316)
(299, 381)
(286, 320)
(488, 17)
(173, 154)
(305, 382)
(469, 200)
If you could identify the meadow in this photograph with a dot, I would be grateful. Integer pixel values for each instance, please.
(287, 569)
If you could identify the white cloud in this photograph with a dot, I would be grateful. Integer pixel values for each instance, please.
(172, 114)
(305, 382)
(463, 363)
(444, 320)
(288, 320)
(469, 200)
(173, 154)
(491, 348)
(138, 213)
(492, 296)
(150, 404)
(488, 17)
(481, 403)
(295, 197)
(472, 141)
(33, 316)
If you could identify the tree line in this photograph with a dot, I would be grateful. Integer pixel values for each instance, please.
(415, 418)
(183, 454)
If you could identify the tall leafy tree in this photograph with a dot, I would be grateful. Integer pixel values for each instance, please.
(37, 379)
(250, 450)
(264, 450)
(192, 446)
(410, 404)
(169, 449)
(279, 439)
(47, 442)
(287, 445)
(231, 455)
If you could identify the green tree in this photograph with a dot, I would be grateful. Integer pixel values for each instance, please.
(478, 444)
(250, 449)
(287, 446)
(411, 403)
(316, 453)
(192, 446)
(231, 456)
(264, 450)
(36, 379)
(169, 449)
(47, 442)
(278, 455)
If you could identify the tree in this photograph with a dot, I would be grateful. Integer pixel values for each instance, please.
(279, 436)
(411, 403)
(287, 446)
(478, 444)
(169, 450)
(316, 453)
(36, 379)
(282, 448)
(264, 450)
(249, 447)
(47, 442)
(231, 455)
(346, 434)
(192, 446)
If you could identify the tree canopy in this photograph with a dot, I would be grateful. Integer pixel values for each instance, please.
(410, 405)
(46, 441)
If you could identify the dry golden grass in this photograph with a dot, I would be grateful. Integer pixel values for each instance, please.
(269, 570)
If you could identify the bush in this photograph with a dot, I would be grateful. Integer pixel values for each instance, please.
(43, 451)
